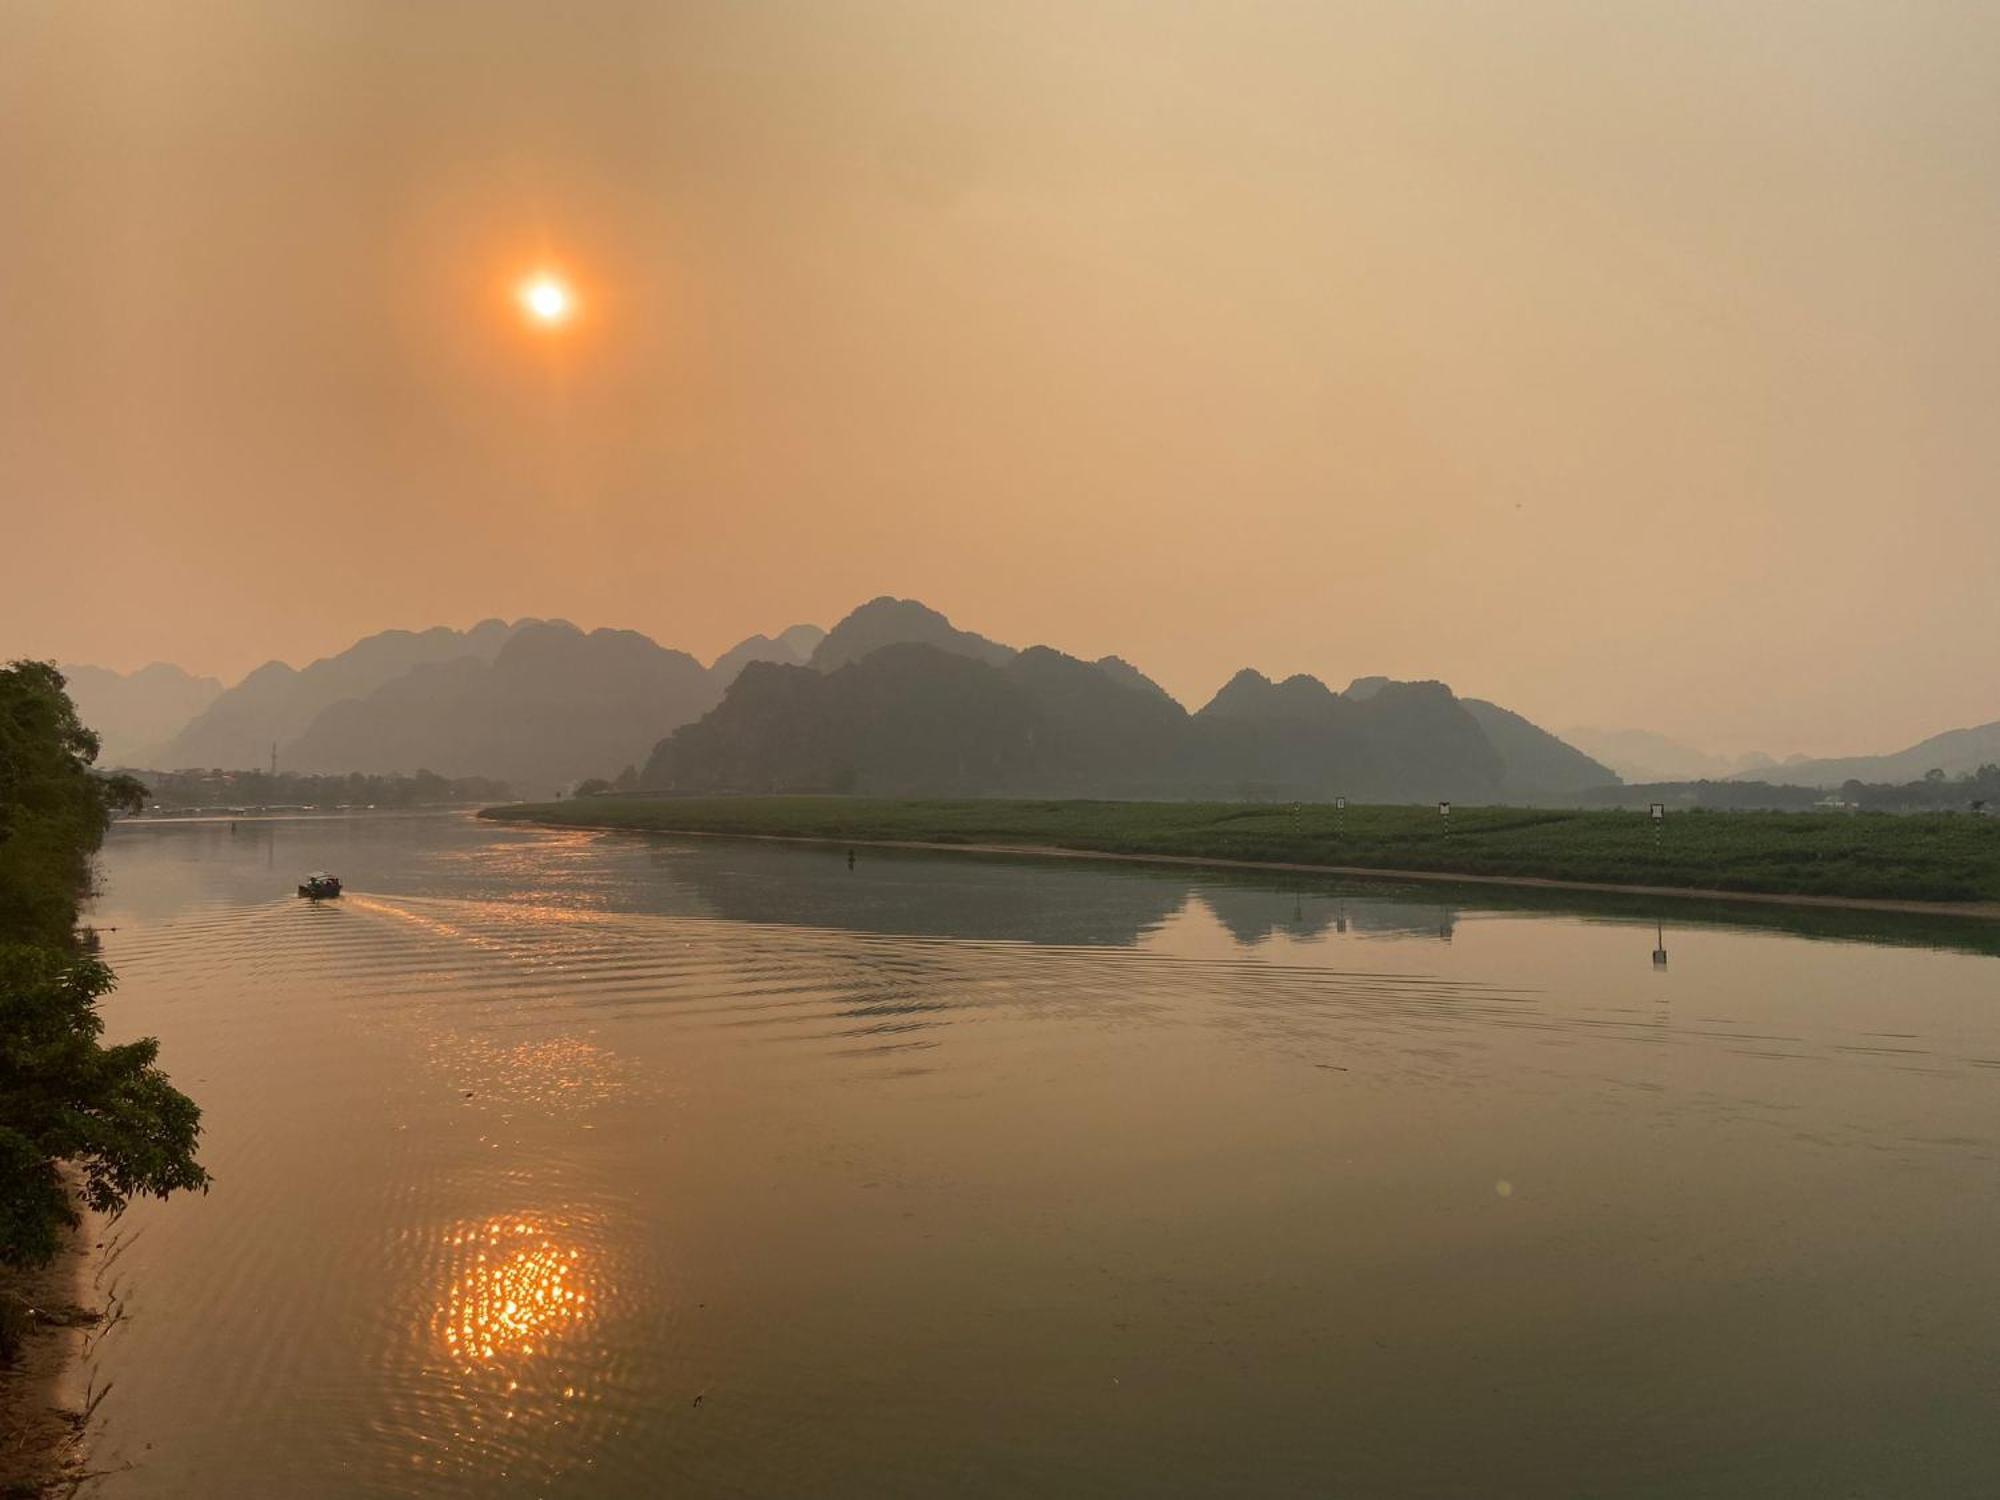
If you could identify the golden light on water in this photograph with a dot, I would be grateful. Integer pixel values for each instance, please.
(521, 1292)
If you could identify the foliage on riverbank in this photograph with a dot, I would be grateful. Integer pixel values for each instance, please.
(106, 1113)
(1941, 857)
(181, 791)
(1975, 791)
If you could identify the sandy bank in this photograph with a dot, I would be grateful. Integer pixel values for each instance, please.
(43, 1410)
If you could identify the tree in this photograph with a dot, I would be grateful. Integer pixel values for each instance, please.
(107, 1114)
(65, 1098)
(53, 808)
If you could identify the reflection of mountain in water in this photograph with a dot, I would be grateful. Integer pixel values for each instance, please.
(1059, 902)
(1254, 913)
(924, 895)
(1108, 905)
(912, 894)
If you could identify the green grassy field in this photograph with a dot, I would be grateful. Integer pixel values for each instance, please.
(1942, 857)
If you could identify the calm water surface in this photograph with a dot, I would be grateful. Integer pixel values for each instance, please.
(561, 1164)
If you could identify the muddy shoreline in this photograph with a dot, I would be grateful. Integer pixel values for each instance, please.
(44, 1405)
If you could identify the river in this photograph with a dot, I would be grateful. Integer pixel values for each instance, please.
(563, 1164)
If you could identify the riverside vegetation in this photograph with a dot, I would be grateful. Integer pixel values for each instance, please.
(81, 1123)
(1937, 857)
(196, 791)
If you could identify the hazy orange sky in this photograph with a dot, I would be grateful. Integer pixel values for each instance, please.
(1628, 364)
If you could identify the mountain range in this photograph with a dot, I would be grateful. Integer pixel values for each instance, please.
(1956, 752)
(1641, 757)
(276, 703)
(895, 698)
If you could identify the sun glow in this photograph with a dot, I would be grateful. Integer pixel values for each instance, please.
(547, 300)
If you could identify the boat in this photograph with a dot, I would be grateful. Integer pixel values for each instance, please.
(320, 886)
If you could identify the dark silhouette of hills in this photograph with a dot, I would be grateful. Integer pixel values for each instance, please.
(904, 715)
(1402, 741)
(553, 705)
(914, 718)
(275, 703)
(894, 700)
(950, 713)
(135, 713)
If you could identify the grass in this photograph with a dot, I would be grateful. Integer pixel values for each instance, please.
(1932, 857)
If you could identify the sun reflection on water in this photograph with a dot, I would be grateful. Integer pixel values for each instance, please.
(554, 1073)
(521, 1293)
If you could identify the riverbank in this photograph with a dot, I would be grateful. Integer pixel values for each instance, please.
(1943, 865)
(47, 1323)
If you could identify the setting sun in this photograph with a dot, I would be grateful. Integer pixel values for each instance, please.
(547, 300)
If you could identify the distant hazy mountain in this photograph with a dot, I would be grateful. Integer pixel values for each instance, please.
(802, 639)
(135, 713)
(888, 622)
(1537, 767)
(276, 702)
(1956, 752)
(894, 699)
(1639, 755)
(791, 648)
(554, 705)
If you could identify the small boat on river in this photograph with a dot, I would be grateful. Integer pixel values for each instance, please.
(320, 886)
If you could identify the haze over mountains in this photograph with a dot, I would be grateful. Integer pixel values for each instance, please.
(1640, 755)
(276, 703)
(894, 699)
(553, 704)
(1956, 752)
(537, 703)
(135, 714)
(793, 648)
